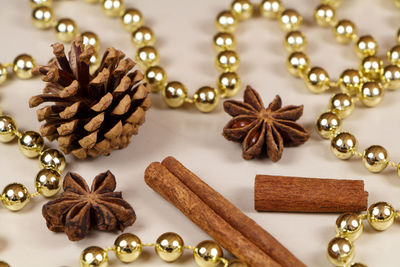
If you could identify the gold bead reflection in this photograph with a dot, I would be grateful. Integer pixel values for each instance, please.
(366, 46)
(15, 196)
(23, 65)
(132, 19)
(226, 22)
(52, 159)
(174, 94)
(394, 55)
(169, 247)
(147, 56)
(350, 81)
(340, 251)
(36, 3)
(206, 99)
(345, 31)
(128, 247)
(227, 61)
(237, 263)
(66, 30)
(8, 128)
(328, 125)
(207, 254)
(381, 215)
(229, 84)
(391, 77)
(375, 158)
(297, 64)
(143, 36)
(295, 41)
(156, 77)
(290, 20)
(371, 94)
(342, 104)
(42, 17)
(90, 38)
(242, 9)
(325, 15)
(31, 143)
(224, 41)
(317, 80)
(343, 145)
(271, 8)
(349, 225)
(112, 8)
(48, 182)
(94, 257)
(334, 3)
(95, 61)
(3, 73)
(372, 68)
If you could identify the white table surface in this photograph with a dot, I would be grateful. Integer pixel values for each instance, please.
(184, 30)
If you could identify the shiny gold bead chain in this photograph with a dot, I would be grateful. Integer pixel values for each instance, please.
(349, 227)
(169, 247)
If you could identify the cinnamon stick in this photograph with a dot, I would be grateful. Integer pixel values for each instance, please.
(231, 214)
(172, 189)
(294, 194)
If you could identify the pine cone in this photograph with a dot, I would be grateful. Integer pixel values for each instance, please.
(91, 115)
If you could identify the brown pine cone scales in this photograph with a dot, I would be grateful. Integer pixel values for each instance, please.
(263, 131)
(91, 115)
(78, 208)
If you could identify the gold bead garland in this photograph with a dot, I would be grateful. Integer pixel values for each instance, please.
(169, 247)
(349, 227)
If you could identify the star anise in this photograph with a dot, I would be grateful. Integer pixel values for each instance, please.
(79, 208)
(263, 130)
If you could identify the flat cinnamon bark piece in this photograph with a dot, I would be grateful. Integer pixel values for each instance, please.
(231, 214)
(172, 189)
(294, 194)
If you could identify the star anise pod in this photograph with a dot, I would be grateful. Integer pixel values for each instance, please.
(78, 208)
(263, 130)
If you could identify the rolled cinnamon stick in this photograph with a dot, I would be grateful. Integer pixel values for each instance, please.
(230, 213)
(294, 194)
(172, 189)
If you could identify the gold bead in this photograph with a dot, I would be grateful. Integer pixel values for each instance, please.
(237, 263)
(226, 22)
(229, 84)
(90, 38)
(328, 125)
(156, 77)
(3, 73)
(371, 94)
(227, 61)
(290, 20)
(394, 55)
(207, 254)
(206, 99)
(342, 104)
(42, 17)
(112, 8)
(375, 158)
(343, 145)
(295, 41)
(52, 159)
(48, 182)
(94, 257)
(366, 46)
(169, 247)
(357, 264)
(398, 37)
(340, 251)
(372, 68)
(345, 31)
(15, 196)
(36, 3)
(381, 215)
(350, 81)
(397, 3)
(31, 144)
(349, 225)
(66, 30)
(132, 19)
(242, 9)
(128, 247)
(317, 80)
(174, 94)
(297, 64)
(8, 128)
(334, 3)
(147, 56)
(325, 15)
(92, 1)
(391, 77)
(23, 65)
(143, 36)
(224, 41)
(271, 8)
(94, 63)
